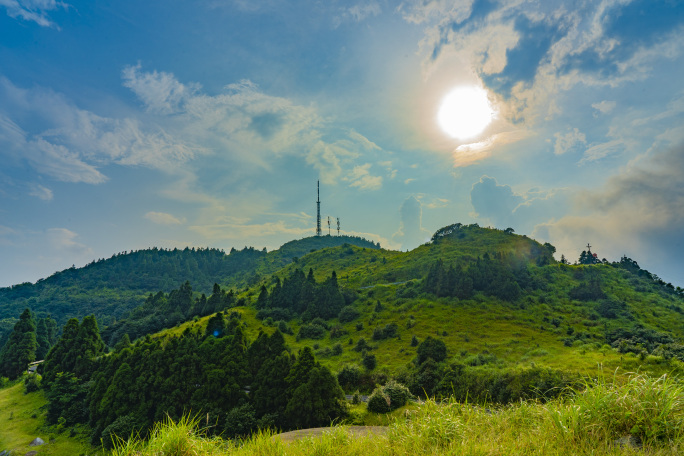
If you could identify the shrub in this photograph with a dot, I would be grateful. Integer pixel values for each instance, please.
(390, 330)
(398, 394)
(348, 314)
(431, 348)
(379, 402)
(369, 362)
(311, 331)
(31, 384)
(349, 377)
(389, 397)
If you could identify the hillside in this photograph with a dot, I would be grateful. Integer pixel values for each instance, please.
(111, 288)
(522, 308)
(477, 314)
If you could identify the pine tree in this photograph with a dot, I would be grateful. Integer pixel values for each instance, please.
(20, 349)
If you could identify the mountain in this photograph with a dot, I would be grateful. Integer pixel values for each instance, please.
(111, 288)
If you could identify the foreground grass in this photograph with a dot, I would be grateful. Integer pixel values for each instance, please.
(22, 418)
(642, 416)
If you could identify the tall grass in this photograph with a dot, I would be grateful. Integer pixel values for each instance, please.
(641, 416)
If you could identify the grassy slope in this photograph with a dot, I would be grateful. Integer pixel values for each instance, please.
(22, 419)
(516, 334)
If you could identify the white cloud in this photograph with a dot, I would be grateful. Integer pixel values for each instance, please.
(360, 177)
(75, 143)
(570, 140)
(162, 218)
(33, 10)
(41, 192)
(159, 91)
(604, 107)
(64, 239)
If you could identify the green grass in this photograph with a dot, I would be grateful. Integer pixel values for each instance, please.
(22, 419)
(643, 416)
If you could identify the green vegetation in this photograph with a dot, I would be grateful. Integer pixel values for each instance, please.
(477, 315)
(22, 420)
(643, 416)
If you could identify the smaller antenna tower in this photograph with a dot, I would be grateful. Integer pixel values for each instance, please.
(328, 225)
(338, 226)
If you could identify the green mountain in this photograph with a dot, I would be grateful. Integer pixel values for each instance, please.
(111, 288)
(478, 314)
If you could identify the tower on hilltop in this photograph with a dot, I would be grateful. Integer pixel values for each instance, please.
(318, 209)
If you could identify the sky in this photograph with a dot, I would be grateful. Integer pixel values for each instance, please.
(207, 123)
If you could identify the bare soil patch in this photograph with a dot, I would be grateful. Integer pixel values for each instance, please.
(356, 431)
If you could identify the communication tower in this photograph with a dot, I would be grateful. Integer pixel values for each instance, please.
(318, 209)
(338, 226)
(328, 225)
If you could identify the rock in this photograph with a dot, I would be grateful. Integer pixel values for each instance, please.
(37, 442)
(629, 441)
(31, 453)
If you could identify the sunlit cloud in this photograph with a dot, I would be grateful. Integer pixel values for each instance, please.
(566, 141)
(468, 154)
(162, 218)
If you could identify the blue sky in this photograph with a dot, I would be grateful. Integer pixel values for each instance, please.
(126, 125)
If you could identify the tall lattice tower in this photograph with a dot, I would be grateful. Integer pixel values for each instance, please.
(318, 209)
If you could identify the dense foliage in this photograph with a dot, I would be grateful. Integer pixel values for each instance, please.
(239, 386)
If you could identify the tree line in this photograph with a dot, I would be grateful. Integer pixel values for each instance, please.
(237, 385)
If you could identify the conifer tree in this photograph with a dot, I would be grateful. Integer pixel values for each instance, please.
(20, 349)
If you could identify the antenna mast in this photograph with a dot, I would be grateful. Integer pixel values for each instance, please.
(318, 209)
(328, 225)
(338, 226)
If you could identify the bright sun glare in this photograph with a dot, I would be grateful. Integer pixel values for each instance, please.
(465, 112)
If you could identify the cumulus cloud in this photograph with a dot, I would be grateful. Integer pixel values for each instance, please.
(33, 10)
(603, 107)
(532, 52)
(571, 140)
(494, 202)
(502, 207)
(162, 218)
(639, 212)
(411, 232)
(75, 143)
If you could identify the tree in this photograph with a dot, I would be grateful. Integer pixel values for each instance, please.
(317, 402)
(431, 348)
(20, 349)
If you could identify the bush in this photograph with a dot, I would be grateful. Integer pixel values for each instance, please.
(431, 348)
(123, 427)
(390, 330)
(275, 313)
(389, 397)
(398, 394)
(379, 402)
(348, 314)
(31, 384)
(349, 377)
(311, 331)
(369, 361)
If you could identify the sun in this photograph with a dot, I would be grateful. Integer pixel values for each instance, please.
(465, 112)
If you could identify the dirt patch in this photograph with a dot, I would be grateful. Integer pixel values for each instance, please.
(356, 431)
